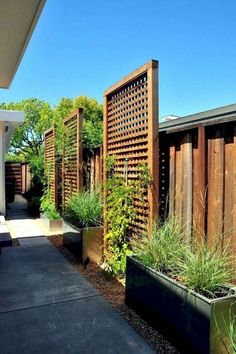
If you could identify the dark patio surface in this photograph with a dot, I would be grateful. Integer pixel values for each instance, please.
(47, 307)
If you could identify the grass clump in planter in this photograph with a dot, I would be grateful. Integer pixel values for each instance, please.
(203, 268)
(164, 250)
(206, 269)
(84, 209)
(48, 208)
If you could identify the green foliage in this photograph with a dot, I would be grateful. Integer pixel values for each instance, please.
(202, 268)
(62, 110)
(11, 157)
(28, 136)
(48, 207)
(92, 120)
(120, 213)
(84, 209)
(206, 268)
(164, 249)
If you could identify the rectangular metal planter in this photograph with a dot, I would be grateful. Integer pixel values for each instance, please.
(92, 244)
(72, 239)
(53, 226)
(194, 322)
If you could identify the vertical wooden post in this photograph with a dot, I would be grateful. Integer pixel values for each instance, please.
(172, 180)
(104, 164)
(199, 187)
(234, 202)
(79, 150)
(153, 141)
(187, 184)
(215, 188)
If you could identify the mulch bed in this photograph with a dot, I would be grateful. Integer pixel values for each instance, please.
(114, 292)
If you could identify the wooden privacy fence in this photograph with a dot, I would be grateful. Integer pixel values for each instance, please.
(131, 133)
(92, 167)
(198, 174)
(19, 173)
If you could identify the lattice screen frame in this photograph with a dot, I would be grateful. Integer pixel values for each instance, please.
(50, 158)
(72, 180)
(131, 105)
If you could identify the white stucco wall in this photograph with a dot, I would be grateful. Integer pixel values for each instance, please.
(2, 168)
(8, 122)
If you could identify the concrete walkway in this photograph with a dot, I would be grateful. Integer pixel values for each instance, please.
(20, 224)
(46, 306)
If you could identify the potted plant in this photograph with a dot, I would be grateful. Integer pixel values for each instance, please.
(184, 289)
(82, 230)
(49, 215)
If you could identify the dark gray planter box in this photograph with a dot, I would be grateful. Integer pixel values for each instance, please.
(72, 239)
(194, 322)
(53, 226)
(92, 244)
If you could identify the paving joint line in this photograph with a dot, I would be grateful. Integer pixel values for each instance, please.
(50, 303)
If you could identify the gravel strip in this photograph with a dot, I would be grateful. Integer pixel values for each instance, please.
(114, 292)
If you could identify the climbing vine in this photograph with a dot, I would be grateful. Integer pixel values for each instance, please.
(120, 213)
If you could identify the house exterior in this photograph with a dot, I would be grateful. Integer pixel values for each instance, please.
(17, 23)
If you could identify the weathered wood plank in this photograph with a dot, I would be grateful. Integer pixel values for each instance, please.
(215, 188)
(187, 197)
(199, 185)
(228, 196)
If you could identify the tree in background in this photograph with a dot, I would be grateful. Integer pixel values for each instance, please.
(92, 119)
(28, 137)
(27, 140)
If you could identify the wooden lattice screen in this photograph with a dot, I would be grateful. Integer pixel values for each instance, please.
(131, 133)
(72, 156)
(50, 163)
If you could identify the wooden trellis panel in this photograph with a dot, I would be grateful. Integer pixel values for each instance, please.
(50, 162)
(72, 156)
(131, 132)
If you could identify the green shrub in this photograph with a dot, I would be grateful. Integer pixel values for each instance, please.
(84, 209)
(120, 213)
(48, 207)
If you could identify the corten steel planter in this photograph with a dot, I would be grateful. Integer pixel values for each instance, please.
(53, 226)
(194, 322)
(92, 244)
(72, 239)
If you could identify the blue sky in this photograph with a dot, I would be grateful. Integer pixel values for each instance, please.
(81, 47)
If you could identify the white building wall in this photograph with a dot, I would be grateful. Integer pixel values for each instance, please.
(2, 168)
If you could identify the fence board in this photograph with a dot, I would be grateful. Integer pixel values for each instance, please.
(199, 183)
(187, 184)
(233, 194)
(228, 200)
(215, 187)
